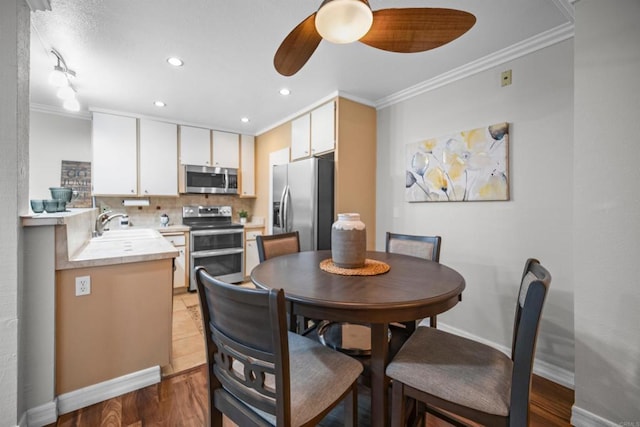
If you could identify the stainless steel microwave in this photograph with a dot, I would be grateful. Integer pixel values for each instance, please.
(208, 180)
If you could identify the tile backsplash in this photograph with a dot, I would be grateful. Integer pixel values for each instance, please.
(149, 216)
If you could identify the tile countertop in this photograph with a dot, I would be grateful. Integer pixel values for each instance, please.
(75, 248)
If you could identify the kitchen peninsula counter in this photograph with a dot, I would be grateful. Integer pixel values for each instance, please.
(118, 326)
(74, 247)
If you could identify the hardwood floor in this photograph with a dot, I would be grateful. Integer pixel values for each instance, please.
(181, 400)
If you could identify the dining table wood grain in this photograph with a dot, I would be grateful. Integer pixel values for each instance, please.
(412, 289)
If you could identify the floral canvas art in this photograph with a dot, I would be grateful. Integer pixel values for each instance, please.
(470, 165)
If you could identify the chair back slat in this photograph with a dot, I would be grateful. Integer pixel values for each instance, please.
(426, 247)
(251, 358)
(533, 291)
(277, 244)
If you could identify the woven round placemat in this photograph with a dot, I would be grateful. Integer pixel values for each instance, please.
(371, 267)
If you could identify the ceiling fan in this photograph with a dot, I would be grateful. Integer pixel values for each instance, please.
(406, 30)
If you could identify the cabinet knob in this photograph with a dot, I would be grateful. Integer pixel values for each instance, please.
(132, 191)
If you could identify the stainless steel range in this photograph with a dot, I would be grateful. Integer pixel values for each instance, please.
(215, 243)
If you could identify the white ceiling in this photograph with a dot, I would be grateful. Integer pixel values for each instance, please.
(118, 49)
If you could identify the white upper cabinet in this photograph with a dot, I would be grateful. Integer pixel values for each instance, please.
(195, 146)
(247, 166)
(158, 158)
(314, 133)
(301, 137)
(323, 133)
(226, 149)
(114, 151)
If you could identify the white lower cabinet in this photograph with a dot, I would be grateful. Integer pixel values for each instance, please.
(251, 250)
(181, 271)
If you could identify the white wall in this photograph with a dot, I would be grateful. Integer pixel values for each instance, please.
(488, 242)
(53, 138)
(607, 212)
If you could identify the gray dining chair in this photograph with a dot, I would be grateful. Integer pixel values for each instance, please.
(462, 377)
(277, 244)
(261, 375)
(355, 339)
(273, 245)
(427, 247)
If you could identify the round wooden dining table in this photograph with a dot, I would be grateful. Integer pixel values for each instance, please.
(412, 289)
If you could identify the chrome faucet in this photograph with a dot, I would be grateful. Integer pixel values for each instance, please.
(102, 220)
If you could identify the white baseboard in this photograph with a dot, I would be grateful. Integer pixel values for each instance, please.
(541, 368)
(583, 418)
(41, 415)
(84, 397)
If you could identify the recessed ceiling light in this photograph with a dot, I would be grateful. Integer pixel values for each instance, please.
(159, 104)
(284, 91)
(245, 120)
(176, 62)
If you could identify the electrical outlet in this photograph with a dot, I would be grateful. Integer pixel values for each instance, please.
(83, 285)
(506, 78)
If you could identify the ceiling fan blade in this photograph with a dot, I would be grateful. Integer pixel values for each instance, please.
(297, 47)
(416, 29)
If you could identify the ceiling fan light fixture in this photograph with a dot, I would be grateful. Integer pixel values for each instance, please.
(343, 21)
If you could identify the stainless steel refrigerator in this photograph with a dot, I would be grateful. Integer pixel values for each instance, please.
(303, 201)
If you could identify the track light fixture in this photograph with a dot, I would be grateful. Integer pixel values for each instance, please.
(61, 77)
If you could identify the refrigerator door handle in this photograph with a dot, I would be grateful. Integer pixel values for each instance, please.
(285, 209)
(282, 207)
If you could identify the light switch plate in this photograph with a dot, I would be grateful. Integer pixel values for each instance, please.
(506, 78)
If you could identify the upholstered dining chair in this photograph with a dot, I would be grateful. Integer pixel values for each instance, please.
(333, 334)
(427, 247)
(258, 373)
(447, 372)
(274, 245)
(277, 244)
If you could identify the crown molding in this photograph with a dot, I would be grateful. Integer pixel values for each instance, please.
(540, 41)
(59, 111)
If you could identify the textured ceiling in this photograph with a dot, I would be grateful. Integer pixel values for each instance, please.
(118, 49)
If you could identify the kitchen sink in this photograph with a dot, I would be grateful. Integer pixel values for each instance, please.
(127, 234)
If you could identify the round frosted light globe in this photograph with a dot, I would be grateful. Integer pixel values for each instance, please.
(66, 92)
(58, 78)
(71, 105)
(343, 21)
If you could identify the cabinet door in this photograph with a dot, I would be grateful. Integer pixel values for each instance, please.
(247, 166)
(251, 257)
(323, 120)
(300, 137)
(114, 165)
(226, 149)
(158, 158)
(179, 278)
(195, 146)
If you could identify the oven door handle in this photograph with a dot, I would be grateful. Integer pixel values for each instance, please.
(217, 252)
(214, 232)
